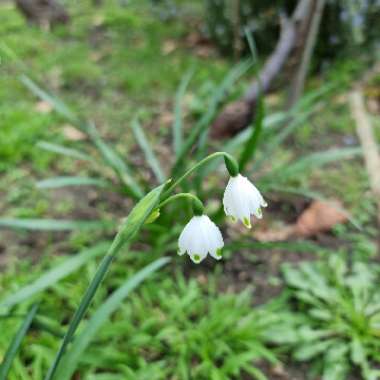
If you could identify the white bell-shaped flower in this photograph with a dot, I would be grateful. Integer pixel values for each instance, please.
(200, 237)
(242, 199)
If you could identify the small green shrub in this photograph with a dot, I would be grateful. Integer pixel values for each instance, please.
(340, 324)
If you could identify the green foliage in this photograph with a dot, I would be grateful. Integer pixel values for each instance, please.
(21, 128)
(127, 231)
(340, 318)
(346, 23)
(101, 317)
(16, 342)
(173, 328)
(202, 333)
(50, 278)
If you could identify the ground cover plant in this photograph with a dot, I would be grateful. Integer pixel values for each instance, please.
(340, 307)
(108, 163)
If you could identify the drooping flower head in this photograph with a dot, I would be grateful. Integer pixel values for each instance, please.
(242, 199)
(201, 237)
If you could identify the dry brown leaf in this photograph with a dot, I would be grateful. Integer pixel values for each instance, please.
(73, 134)
(43, 107)
(320, 216)
(168, 47)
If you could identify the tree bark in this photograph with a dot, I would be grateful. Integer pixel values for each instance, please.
(310, 31)
(239, 114)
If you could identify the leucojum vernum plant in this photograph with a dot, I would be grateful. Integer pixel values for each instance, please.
(199, 238)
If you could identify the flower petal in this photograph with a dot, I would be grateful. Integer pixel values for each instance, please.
(242, 199)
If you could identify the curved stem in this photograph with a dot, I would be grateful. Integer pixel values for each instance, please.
(196, 166)
(179, 195)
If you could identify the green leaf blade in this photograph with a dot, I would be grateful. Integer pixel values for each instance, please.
(177, 126)
(57, 182)
(113, 160)
(145, 146)
(54, 275)
(53, 224)
(71, 359)
(16, 343)
(127, 231)
(250, 146)
(59, 149)
(56, 103)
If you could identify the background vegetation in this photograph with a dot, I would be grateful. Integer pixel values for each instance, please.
(293, 298)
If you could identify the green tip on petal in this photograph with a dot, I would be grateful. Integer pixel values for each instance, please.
(259, 213)
(233, 219)
(179, 253)
(247, 222)
(197, 258)
(219, 252)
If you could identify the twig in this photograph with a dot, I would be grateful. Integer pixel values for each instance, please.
(297, 86)
(238, 115)
(368, 142)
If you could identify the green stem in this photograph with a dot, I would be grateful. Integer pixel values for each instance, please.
(197, 166)
(177, 196)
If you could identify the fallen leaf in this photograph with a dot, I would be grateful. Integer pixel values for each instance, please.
(320, 216)
(73, 134)
(168, 47)
(43, 107)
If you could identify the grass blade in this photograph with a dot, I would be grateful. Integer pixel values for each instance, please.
(130, 227)
(251, 144)
(233, 144)
(269, 122)
(148, 151)
(59, 149)
(53, 224)
(101, 316)
(178, 116)
(312, 161)
(112, 159)
(16, 343)
(201, 128)
(276, 141)
(252, 45)
(58, 105)
(54, 275)
(57, 182)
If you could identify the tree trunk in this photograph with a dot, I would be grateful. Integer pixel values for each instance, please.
(310, 32)
(45, 13)
(238, 115)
